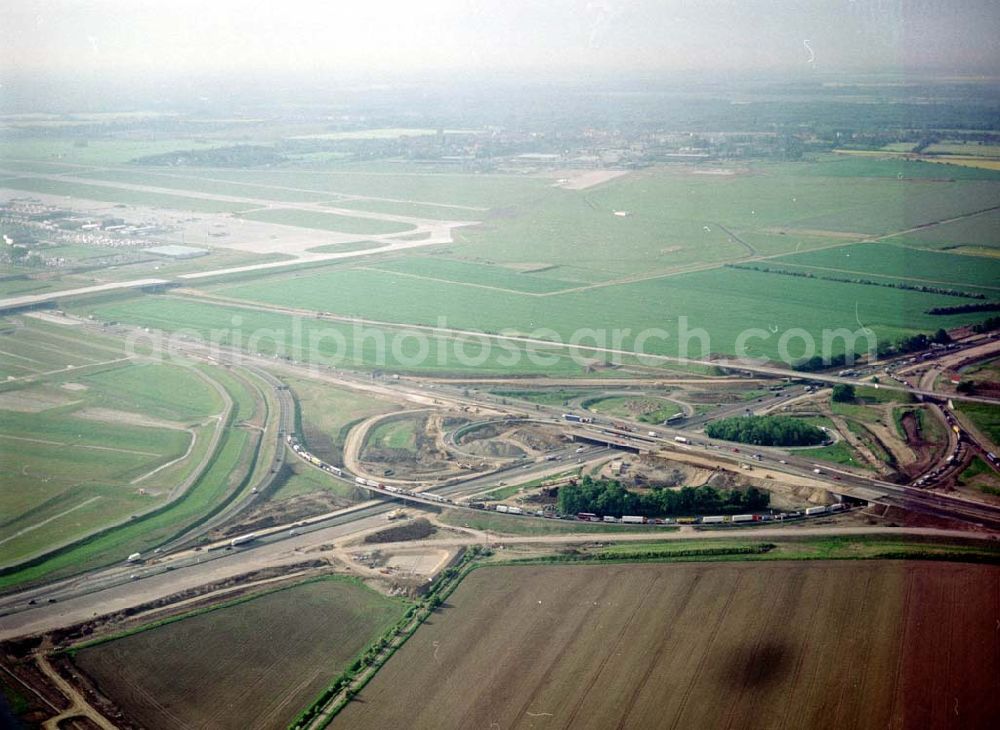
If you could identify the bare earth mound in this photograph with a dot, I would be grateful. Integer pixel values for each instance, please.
(764, 645)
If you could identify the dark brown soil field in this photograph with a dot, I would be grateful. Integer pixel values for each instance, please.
(252, 665)
(727, 645)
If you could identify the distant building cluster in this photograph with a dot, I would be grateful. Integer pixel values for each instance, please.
(34, 234)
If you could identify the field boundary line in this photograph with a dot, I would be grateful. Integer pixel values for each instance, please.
(533, 342)
(35, 526)
(455, 283)
(890, 276)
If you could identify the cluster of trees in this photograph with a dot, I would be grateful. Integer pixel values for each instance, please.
(966, 308)
(817, 362)
(867, 282)
(916, 343)
(843, 393)
(244, 155)
(988, 325)
(609, 497)
(766, 431)
(913, 343)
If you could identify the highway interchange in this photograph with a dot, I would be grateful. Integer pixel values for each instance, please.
(182, 566)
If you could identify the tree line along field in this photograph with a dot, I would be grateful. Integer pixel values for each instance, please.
(723, 303)
(973, 234)
(885, 261)
(782, 644)
(255, 664)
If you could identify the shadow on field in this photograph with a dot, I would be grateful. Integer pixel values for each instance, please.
(755, 666)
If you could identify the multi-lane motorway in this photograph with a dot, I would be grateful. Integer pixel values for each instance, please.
(180, 567)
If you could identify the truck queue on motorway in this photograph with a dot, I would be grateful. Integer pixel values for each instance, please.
(394, 491)
(398, 492)
(639, 520)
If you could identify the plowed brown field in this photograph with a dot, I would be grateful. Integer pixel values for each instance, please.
(251, 665)
(733, 645)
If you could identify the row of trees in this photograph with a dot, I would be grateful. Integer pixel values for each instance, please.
(987, 325)
(766, 431)
(913, 343)
(916, 343)
(866, 282)
(609, 497)
(966, 308)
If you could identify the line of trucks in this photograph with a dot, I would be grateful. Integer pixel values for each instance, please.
(361, 481)
(711, 519)
(511, 510)
(398, 490)
(955, 457)
(639, 520)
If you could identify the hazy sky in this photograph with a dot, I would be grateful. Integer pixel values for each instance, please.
(406, 37)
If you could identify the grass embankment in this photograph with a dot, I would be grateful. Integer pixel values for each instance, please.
(979, 468)
(397, 433)
(806, 548)
(647, 410)
(226, 474)
(985, 417)
(838, 453)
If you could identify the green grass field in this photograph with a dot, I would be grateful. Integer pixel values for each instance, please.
(875, 260)
(305, 479)
(838, 453)
(477, 191)
(329, 343)
(548, 397)
(326, 221)
(985, 417)
(349, 246)
(91, 446)
(439, 269)
(976, 233)
(36, 348)
(142, 535)
(875, 166)
(83, 453)
(558, 259)
(178, 180)
(648, 410)
(124, 196)
(724, 302)
(394, 434)
(430, 211)
(326, 413)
